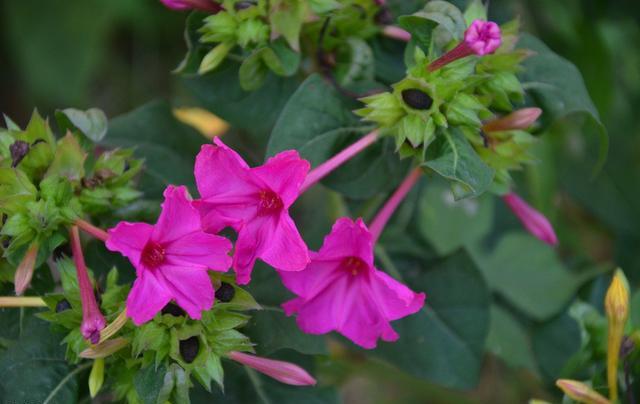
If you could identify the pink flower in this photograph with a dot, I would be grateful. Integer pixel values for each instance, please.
(533, 221)
(483, 37)
(203, 5)
(255, 202)
(284, 372)
(171, 259)
(341, 289)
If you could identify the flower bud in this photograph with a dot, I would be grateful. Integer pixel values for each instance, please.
(535, 222)
(616, 304)
(284, 372)
(202, 5)
(580, 392)
(517, 120)
(96, 377)
(24, 272)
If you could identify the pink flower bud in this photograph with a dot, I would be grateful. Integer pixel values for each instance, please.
(533, 221)
(483, 37)
(391, 31)
(520, 119)
(284, 372)
(203, 5)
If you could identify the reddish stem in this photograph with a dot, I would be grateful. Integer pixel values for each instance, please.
(336, 161)
(92, 230)
(383, 216)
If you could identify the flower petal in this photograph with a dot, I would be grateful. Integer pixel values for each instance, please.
(284, 174)
(285, 250)
(147, 297)
(395, 299)
(313, 279)
(129, 239)
(251, 238)
(191, 288)
(178, 217)
(348, 239)
(200, 249)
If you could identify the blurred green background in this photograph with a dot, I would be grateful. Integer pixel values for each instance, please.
(118, 54)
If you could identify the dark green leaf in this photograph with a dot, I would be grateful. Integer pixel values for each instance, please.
(420, 29)
(508, 340)
(554, 343)
(92, 122)
(148, 383)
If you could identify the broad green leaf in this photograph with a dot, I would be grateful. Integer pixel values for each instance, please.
(318, 122)
(635, 309)
(554, 343)
(420, 28)
(528, 274)
(281, 59)
(253, 72)
(271, 331)
(452, 157)
(92, 122)
(476, 10)
(68, 160)
(34, 369)
(449, 224)
(15, 190)
(508, 340)
(444, 342)
(357, 65)
(168, 146)
(149, 382)
(557, 87)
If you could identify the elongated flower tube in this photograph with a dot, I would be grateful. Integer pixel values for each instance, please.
(481, 38)
(202, 5)
(92, 230)
(616, 304)
(339, 159)
(581, 392)
(517, 120)
(535, 222)
(24, 272)
(284, 372)
(92, 319)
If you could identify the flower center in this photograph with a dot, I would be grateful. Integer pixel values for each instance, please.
(354, 265)
(152, 255)
(269, 203)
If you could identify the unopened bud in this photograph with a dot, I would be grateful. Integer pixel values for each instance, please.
(96, 377)
(581, 392)
(517, 120)
(535, 222)
(284, 372)
(616, 304)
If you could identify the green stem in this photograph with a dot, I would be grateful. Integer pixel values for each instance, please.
(66, 380)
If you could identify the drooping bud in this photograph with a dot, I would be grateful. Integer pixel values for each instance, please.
(284, 372)
(225, 292)
(96, 377)
(517, 120)
(481, 38)
(189, 348)
(535, 222)
(417, 99)
(24, 272)
(92, 319)
(581, 392)
(616, 304)
(398, 33)
(18, 150)
(202, 5)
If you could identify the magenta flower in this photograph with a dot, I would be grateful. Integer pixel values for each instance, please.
(203, 5)
(481, 38)
(341, 289)
(533, 221)
(284, 372)
(171, 259)
(255, 202)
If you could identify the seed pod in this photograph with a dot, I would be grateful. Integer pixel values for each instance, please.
(225, 292)
(243, 5)
(417, 99)
(173, 309)
(62, 305)
(383, 16)
(189, 348)
(19, 150)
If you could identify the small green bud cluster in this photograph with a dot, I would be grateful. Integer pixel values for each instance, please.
(48, 183)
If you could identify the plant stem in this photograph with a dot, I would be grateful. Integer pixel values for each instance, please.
(10, 301)
(336, 161)
(92, 230)
(383, 216)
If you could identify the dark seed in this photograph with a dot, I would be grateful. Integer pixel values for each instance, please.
(18, 150)
(243, 5)
(225, 292)
(417, 99)
(173, 309)
(127, 166)
(189, 349)
(383, 17)
(62, 305)
(62, 251)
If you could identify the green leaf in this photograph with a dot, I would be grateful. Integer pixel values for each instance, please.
(444, 342)
(449, 224)
(15, 190)
(253, 72)
(508, 340)
(476, 10)
(554, 344)
(69, 159)
(271, 331)
(92, 122)
(148, 383)
(528, 274)
(281, 59)
(215, 56)
(420, 28)
(318, 123)
(286, 18)
(451, 156)
(635, 309)
(557, 87)
(34, 369)
(168, 146)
